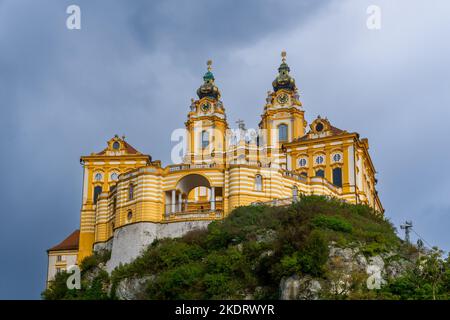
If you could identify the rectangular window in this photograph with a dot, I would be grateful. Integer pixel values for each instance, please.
(258, 183)
(283, 132)
(131, 192)
(337, 177)
(320, 173)
(97, 191)
(59, 258)
(205, 139)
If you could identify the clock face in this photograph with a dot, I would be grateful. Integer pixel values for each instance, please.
(283, 98)
(206, 107)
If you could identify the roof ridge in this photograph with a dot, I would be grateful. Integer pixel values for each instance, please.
(69, 243)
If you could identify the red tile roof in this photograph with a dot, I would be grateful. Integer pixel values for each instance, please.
(69, 243)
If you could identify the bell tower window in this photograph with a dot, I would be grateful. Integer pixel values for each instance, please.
(282, 132)
(205, 139)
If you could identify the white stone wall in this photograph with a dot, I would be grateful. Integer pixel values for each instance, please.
(129, 241)
(103, 245)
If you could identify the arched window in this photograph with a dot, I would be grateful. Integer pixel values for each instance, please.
(131, 192)
(337, 157)
(302, 162)
(98, 176)
(319, 160)
(116, 145)
(258, 182)
(337, 177)
(282, 132)
(114, 176)
(130, 215)
(205, 139)
(97, 192)
(320, 173)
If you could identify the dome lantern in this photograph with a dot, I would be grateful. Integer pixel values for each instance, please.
(208, 88)
(284, 80)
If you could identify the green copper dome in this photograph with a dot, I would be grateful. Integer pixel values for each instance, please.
(208, 76)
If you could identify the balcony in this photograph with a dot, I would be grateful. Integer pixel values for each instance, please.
(181, 167)
(185, 211)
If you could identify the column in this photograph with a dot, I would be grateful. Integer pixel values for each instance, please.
(174, 200)
(213, 199)
(180, 201)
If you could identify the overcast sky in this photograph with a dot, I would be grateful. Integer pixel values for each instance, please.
(134, 65)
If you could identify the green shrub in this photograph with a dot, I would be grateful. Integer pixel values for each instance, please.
(333, 223)
(315, 255)
(220, 286)
(90, 262)
(182, 282)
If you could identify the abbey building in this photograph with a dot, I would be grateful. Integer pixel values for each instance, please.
(129, 199)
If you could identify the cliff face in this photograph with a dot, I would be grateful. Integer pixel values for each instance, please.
(350, 273)
(316, 248)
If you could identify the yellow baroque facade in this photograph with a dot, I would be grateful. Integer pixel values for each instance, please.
(222, 169)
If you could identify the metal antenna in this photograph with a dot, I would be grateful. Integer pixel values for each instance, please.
(407, 226)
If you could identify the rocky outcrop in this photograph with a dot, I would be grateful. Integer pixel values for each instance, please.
(132, 288)
(345, 265)
(299, 288)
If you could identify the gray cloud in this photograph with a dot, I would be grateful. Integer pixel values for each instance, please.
(134, 66)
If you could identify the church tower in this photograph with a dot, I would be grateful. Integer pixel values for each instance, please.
(283, 119)
(207, 124)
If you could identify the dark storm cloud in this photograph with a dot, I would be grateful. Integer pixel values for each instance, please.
(131, 69)
(134, 66)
